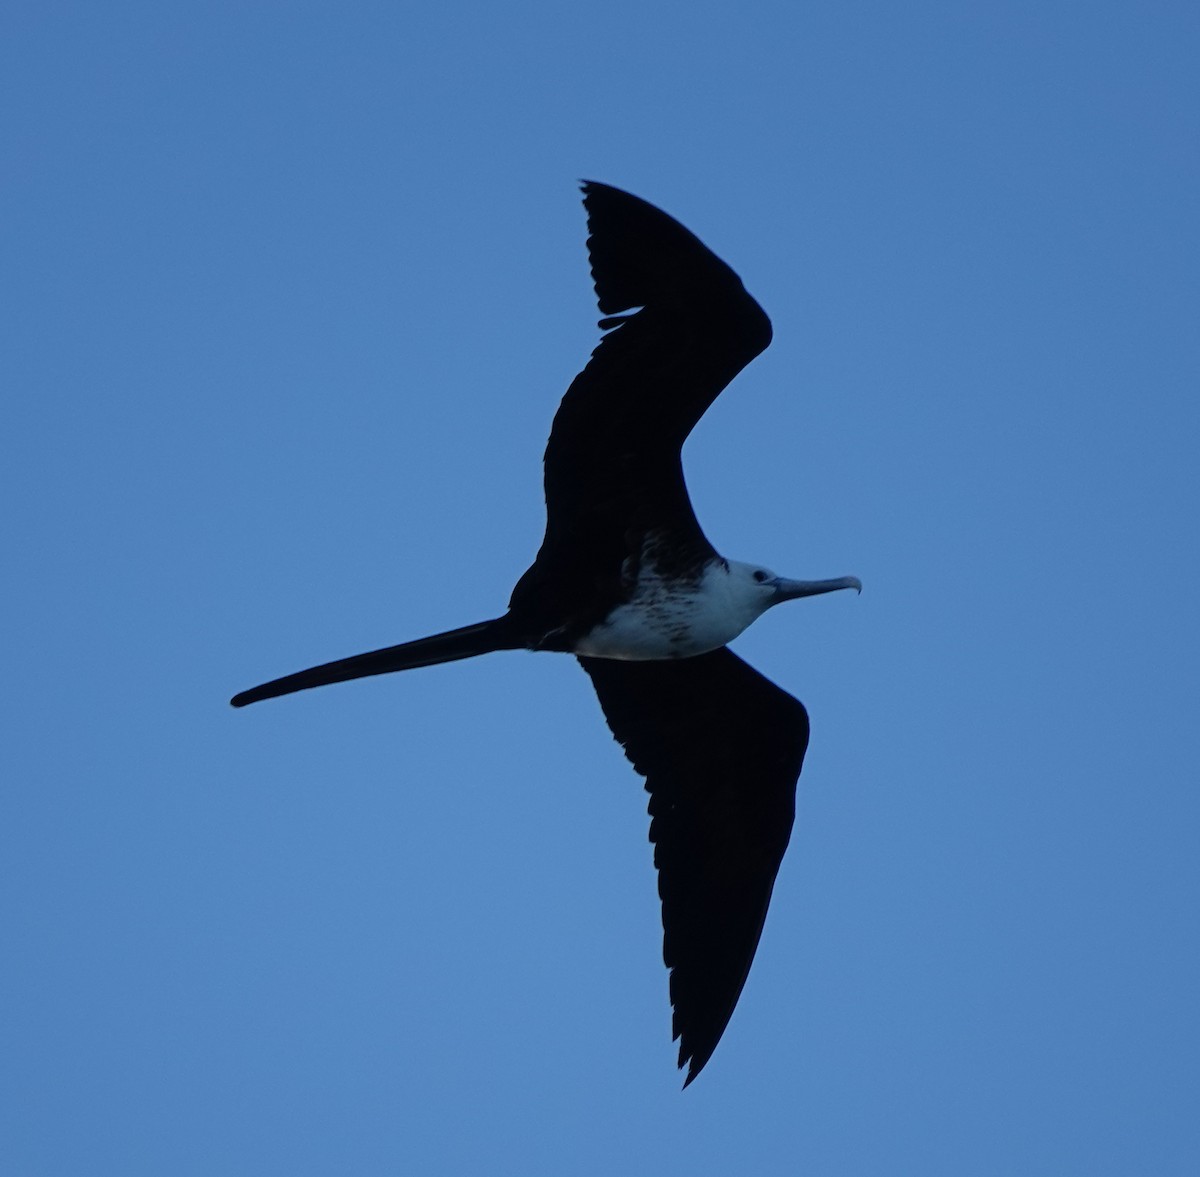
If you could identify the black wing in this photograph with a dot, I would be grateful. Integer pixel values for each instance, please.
(721, 749)
(612, 467)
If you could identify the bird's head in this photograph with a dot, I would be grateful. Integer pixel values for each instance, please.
(757, 588)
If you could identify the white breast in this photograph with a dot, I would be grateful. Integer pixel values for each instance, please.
(667, 619)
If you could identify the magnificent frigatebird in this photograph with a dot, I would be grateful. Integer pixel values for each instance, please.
(627, 582)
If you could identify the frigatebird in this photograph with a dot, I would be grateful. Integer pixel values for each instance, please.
(627, 582)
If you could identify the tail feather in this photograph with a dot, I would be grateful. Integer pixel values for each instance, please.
(481, 638)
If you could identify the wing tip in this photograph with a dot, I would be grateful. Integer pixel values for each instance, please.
(640, 255)
(695, 1061)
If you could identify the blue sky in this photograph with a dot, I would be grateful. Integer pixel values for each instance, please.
(291, 294)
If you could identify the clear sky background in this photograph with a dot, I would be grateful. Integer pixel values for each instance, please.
(291, 294)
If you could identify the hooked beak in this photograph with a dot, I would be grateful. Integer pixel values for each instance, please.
(787, 590)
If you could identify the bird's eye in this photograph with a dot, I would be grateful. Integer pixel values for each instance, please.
(760, 576)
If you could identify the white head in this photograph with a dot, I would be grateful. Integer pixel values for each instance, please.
(750, 589)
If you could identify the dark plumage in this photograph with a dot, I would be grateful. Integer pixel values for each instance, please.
(721, 749)
(626, 580)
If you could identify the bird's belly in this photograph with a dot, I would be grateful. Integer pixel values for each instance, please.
(652, 631)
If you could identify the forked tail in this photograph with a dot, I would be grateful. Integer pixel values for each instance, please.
(481, 638)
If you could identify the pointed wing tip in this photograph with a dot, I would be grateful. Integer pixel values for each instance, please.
(641, 255)
(593, 188)
(695, 1063)
(696, 1047)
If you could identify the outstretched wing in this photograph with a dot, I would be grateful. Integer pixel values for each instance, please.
(721, 749)
(612, 466)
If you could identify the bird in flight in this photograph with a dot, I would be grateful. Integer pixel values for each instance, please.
(627, 582)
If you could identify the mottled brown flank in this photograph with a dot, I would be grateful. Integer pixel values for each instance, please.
(671, 560)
